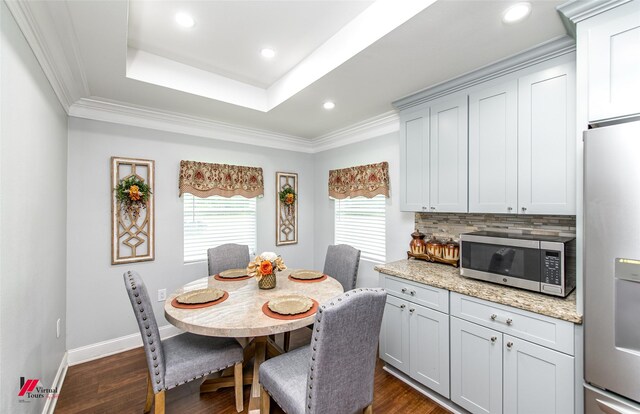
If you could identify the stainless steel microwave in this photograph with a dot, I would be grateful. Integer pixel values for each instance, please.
(539, 263)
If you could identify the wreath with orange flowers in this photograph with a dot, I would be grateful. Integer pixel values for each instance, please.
(288, 196)
(132, 194)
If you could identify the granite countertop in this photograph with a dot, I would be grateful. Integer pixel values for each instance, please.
(448, 277)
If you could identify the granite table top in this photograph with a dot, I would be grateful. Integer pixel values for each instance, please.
(448, 277)
(241, 314)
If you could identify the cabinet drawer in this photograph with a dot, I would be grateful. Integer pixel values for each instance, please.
(542, 330)
(424, 295)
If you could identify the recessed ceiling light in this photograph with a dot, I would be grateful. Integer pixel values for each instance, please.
(268, 53)
(328, 105)
(185, 20)
(516, 12)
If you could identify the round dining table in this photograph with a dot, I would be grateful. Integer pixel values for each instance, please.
(241, 316)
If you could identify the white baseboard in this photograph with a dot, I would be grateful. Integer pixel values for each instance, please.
(113, 346)
(50, 404)
(425, 391)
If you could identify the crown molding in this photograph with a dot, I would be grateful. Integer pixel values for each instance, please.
(575, 11)
(543, 52)
(52, 49)
(144, 117)
(383, 124)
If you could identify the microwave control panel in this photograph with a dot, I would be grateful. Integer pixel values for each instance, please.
(551, 273)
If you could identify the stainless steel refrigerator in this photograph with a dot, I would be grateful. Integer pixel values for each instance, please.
(612, 269)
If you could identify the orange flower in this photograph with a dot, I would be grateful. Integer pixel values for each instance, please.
(134, 193)
(266, 268)
(289, 199)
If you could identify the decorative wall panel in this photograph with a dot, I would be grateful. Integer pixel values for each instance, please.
(132, 227)
(286, 208)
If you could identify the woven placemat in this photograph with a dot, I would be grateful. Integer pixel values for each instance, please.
(179, 305)
(271, 314)
(320, 279)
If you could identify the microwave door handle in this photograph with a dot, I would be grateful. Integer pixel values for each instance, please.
(608, 407)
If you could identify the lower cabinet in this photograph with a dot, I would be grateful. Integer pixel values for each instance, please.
(476, 367)
(492, 372)
(415, 340)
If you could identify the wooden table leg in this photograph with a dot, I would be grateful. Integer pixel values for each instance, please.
(226, 378)
(273, 349)
(254, 401)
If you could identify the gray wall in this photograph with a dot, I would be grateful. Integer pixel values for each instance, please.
(33, 211)
(97, 306)
(399, 225)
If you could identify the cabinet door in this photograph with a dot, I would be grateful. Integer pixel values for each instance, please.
(536, 379)
(394, 334)
(476, 367)
(614, 63)
(547, 141)
(429, 348)
(448, 148)
(414, 159)
(493, 149)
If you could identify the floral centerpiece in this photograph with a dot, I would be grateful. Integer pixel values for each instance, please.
(264, 268)
(132, 194)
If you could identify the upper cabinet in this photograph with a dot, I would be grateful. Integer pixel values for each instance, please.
(612, 43)
(448, 160)
(505, 146)
(547, 141)
(414, 155)
(493, 149)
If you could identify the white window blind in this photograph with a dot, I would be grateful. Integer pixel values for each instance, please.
(212, 221)
(360, 223)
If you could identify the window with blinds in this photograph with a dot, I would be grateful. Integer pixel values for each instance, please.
(212, 221)
(360, 222)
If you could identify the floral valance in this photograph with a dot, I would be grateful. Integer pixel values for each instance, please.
(363, 180)
(203, 179)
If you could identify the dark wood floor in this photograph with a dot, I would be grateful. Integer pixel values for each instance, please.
(117, 384)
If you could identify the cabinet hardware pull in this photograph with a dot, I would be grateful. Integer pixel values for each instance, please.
(411, 310)
(412, 293)
(493, 317)
(509, 321)
(433, 208)
(510, 208)
(404, 290)
(509, 345)
(524, 209)
(494, 339)
(403, 306)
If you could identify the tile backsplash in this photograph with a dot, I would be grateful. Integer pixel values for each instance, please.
(446, 225)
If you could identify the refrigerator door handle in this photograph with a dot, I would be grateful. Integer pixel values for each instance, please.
(608, 407)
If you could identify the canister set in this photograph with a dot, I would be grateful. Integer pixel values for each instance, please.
(434, 249)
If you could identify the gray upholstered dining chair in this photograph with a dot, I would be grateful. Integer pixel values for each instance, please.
(335, 373)
(341, 263)
(227, 256)
(182, 358)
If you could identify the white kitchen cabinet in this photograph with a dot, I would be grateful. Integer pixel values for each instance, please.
(547, 141)
(429, 348)
(493, 149)
(476, 367)
(613, 54)
(394, 334)
(448, 155)
(415, 338)
(536, 379)
(414, 159)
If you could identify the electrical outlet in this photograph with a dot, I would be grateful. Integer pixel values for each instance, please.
(162, 295)
(58, 328)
